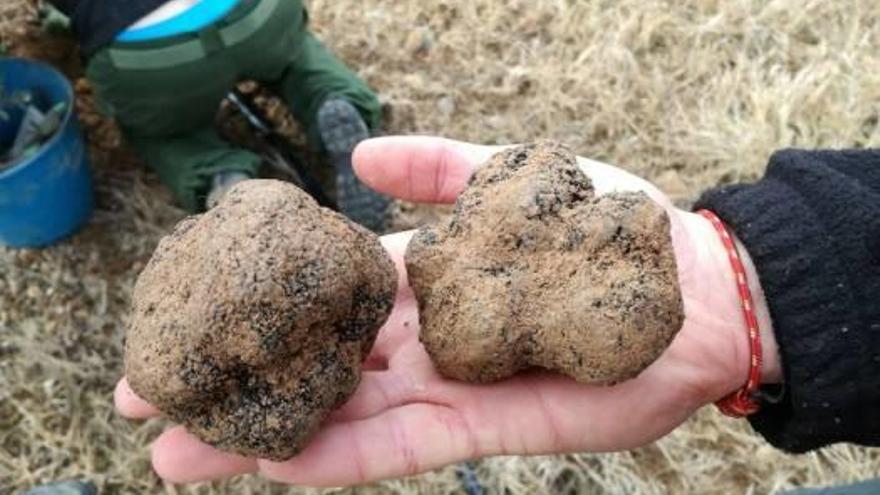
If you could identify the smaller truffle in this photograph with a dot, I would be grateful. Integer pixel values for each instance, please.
(535, 269)
(250, 323)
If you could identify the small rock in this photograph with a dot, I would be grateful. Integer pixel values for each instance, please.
(32, 291)
(446, 106)
(419, 41)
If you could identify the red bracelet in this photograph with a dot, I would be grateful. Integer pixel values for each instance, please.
(741, 403)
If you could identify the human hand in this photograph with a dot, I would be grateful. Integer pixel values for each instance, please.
(405, 418)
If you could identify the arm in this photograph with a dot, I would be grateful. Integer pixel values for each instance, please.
(406, 419)
(812, 227)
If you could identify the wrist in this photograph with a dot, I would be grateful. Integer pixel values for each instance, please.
(771, 369)
(713, 308)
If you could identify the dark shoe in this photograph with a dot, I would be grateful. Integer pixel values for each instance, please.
(221, 184)
(342, 128)
(65, 488)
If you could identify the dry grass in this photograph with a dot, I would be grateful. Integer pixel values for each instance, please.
(687, 93)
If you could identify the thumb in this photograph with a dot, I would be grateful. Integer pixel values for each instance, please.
(418, 168)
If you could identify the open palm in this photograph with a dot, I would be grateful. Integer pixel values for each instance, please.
(405, 418)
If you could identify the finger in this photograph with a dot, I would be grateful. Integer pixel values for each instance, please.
(378, 392)
(436, 170)
(402, 321)
(180, 457)
(401, 442)
(401, 327)
(396, 245)
(129, 404)
(397, 369)
(420, 169)
(385, 390)
(536, 413)
(608, 179)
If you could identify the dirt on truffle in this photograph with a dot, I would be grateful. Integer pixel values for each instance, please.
(250, 323)
(535, 269)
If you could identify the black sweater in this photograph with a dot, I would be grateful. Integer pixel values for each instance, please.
(812, 227)
(98, 22)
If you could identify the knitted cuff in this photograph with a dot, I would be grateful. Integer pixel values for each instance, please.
(830, 361)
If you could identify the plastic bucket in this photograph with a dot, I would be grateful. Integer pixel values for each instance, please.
(48, 196)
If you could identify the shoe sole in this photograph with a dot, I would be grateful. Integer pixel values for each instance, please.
(341, 127)
(341, 130)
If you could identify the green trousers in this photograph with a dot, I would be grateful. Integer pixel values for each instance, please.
(165, 94)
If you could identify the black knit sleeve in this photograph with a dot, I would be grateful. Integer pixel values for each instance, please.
(812, 228)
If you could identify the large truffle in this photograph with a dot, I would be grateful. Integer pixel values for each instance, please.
(535, 269)
(250, 322)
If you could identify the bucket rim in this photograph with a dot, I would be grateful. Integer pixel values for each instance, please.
(68, 114)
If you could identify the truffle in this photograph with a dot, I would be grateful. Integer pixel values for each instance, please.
(251, 322)
(534, 269)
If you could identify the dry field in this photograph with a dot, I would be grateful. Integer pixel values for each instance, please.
(688, 93)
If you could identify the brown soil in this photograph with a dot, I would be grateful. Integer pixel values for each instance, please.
(534, 269)
(250, 322)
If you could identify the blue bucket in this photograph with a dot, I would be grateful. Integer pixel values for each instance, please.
(47, 196)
